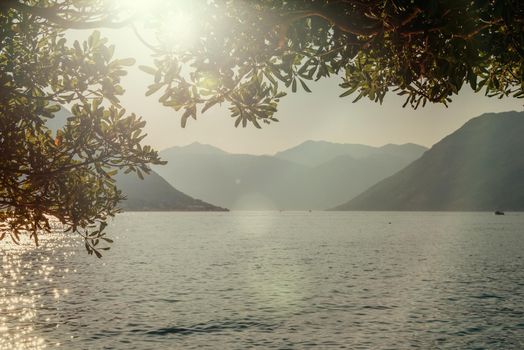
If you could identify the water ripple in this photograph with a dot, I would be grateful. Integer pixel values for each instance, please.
(271, 281)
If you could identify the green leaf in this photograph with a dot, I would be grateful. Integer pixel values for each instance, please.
(237, 121)
(93, 39)
(126, 61)
(148, 70)
(209, 104)
(184, 118)
(153, 88)
(350, 91)
(304, 86)
(359, 97)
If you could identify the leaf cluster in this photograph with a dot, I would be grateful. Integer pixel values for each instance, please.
(68, 173)
(250, 53)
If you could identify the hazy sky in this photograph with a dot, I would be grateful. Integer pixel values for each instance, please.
(320, 115)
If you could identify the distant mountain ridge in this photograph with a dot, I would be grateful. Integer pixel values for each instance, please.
(196, 148)
(151, 194)
(314, 153)
(313, 175)
(479, 167)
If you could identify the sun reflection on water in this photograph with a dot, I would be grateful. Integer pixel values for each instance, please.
(29, 282)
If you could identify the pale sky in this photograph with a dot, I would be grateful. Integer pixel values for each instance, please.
(320, 115)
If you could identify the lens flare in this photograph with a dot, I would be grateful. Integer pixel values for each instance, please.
(135, 7)
(178, 29)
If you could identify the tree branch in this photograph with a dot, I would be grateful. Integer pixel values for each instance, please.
(50, 14)
(143, 41)
(478, 30)
(342, 25)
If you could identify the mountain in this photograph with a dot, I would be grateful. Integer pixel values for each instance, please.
(479, 167)
(151, 194)
(409, 151)
(241, 181)
(313, 153)
(197, 148)
(156, 194)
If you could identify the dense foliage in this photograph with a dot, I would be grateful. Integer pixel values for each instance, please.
(67, 174)
(246, 52)
(242, 53)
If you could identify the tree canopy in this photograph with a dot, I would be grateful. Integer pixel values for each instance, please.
(243, 53)
(65, 174)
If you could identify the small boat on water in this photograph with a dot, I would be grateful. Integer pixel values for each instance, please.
(499, 212)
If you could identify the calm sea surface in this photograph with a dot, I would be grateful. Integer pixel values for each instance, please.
(272, 280)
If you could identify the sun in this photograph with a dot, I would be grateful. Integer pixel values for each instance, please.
(178, 29)
(135, 7)
(174, 22)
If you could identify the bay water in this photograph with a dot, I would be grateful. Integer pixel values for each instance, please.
(272, 280)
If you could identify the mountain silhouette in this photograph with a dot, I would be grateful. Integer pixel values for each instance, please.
(156, 194)
(287, 180)
(479, 167)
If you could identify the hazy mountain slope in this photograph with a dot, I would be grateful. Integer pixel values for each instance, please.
(314, 153)
(408, 151)
(194, 148)
(152, 193)
(478, 167)
(155, 193)
(345, 177)
(269, 182)
(235, 181)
